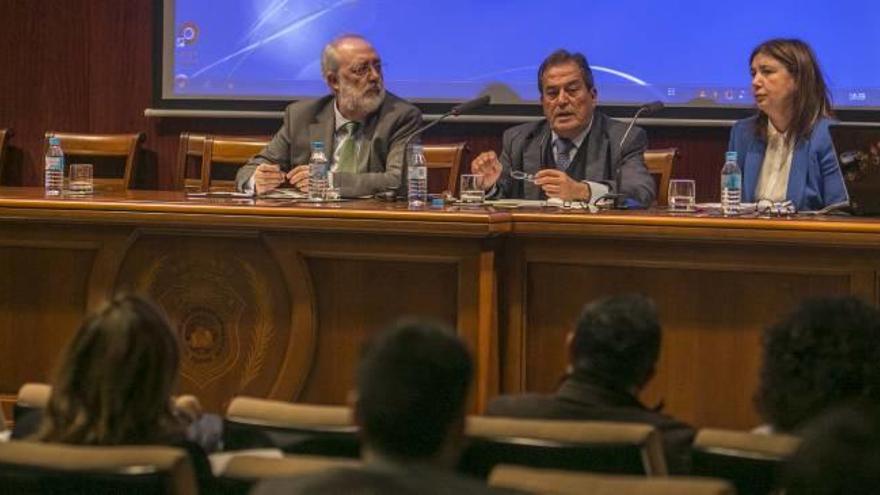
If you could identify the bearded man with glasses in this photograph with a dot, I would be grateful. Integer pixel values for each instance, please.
(362, 126)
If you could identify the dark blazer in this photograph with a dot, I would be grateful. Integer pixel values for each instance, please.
(578, 399)
(314, 120)
(814, 181)
(524, 148)
(382, 478)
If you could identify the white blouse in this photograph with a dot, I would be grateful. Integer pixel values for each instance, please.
(773, 182)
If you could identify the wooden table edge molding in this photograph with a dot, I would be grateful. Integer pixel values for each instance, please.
(167, 208)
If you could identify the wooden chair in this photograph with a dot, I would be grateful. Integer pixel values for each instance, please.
(750, 461)
(443, 159)
(208, 149)
(294, 428)
(5, 134)
(243, 471)
(31, 396)
(619, 448)
(660, 162)
(123, 146)
(33, 467)
(548, 481)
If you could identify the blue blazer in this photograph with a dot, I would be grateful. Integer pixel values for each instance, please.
(814, 181)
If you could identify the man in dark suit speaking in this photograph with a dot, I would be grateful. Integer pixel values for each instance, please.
(362, 126)
(574, 152)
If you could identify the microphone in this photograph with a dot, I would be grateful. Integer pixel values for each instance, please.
(646, 109)
(454, 112)
(470, 105)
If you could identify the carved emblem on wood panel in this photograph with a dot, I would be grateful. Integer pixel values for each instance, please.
(208, 299)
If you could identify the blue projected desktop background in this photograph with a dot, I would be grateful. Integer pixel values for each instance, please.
(681, 52)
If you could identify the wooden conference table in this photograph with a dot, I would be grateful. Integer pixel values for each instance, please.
(273, 298)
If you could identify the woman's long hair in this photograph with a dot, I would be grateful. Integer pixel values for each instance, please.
(811, 97)
(114, 383)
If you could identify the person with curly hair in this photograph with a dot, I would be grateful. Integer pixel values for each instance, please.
(825, 353)
(840, 454)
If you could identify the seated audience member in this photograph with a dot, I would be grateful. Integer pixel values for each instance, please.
(823, 354)
(114, 384)
(575, 151)
(785, 151)
(839, 455)
(612, 355)
(364, 129)
(411, 389)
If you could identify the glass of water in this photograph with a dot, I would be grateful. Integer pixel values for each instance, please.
(471, 189)
(682, 195)
(81, 179)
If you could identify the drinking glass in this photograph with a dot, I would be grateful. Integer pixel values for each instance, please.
(471, 189)
(81, 179)
(682, 195)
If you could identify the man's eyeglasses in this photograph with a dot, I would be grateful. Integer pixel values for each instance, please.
(363, 69)
(770, 208)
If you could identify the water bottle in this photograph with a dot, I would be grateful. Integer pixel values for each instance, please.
(319, 167)
(731, 185)
(417, 177)
(54, 168)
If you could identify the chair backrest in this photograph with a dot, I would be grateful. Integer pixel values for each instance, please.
(31, 396)
(567, 482)
(242, 472)
(445, 159)
(620, 448)
(210, 149)
(294, 428)
(5, 134)
(750, 461)
(33, 467)
(123, 146)
(660, 162)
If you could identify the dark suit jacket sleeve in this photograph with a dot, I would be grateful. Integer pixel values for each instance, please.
(511, 159)
(277, 151)
(403, 123)
(636, 181)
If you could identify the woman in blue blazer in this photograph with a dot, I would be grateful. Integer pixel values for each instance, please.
(785, 151)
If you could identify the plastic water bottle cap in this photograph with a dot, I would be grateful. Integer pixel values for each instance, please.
(730, 156)
(54, 141)
(317, 145)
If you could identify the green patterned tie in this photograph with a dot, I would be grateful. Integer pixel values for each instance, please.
(347, 158)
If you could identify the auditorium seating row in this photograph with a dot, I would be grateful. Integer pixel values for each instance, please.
(327, 436)
(199, 156)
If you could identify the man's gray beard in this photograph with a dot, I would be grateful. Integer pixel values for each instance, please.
(351, 103)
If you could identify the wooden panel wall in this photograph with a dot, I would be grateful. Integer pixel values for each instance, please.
(86, 66)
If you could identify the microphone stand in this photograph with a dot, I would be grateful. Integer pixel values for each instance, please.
(618, 195)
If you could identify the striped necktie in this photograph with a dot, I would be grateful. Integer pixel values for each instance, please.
(347, 156)
(563, 152)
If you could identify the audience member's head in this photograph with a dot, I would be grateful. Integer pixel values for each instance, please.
(617, 341)
(840, 454)
(826, 352)
(412, 387)
(115, 379)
